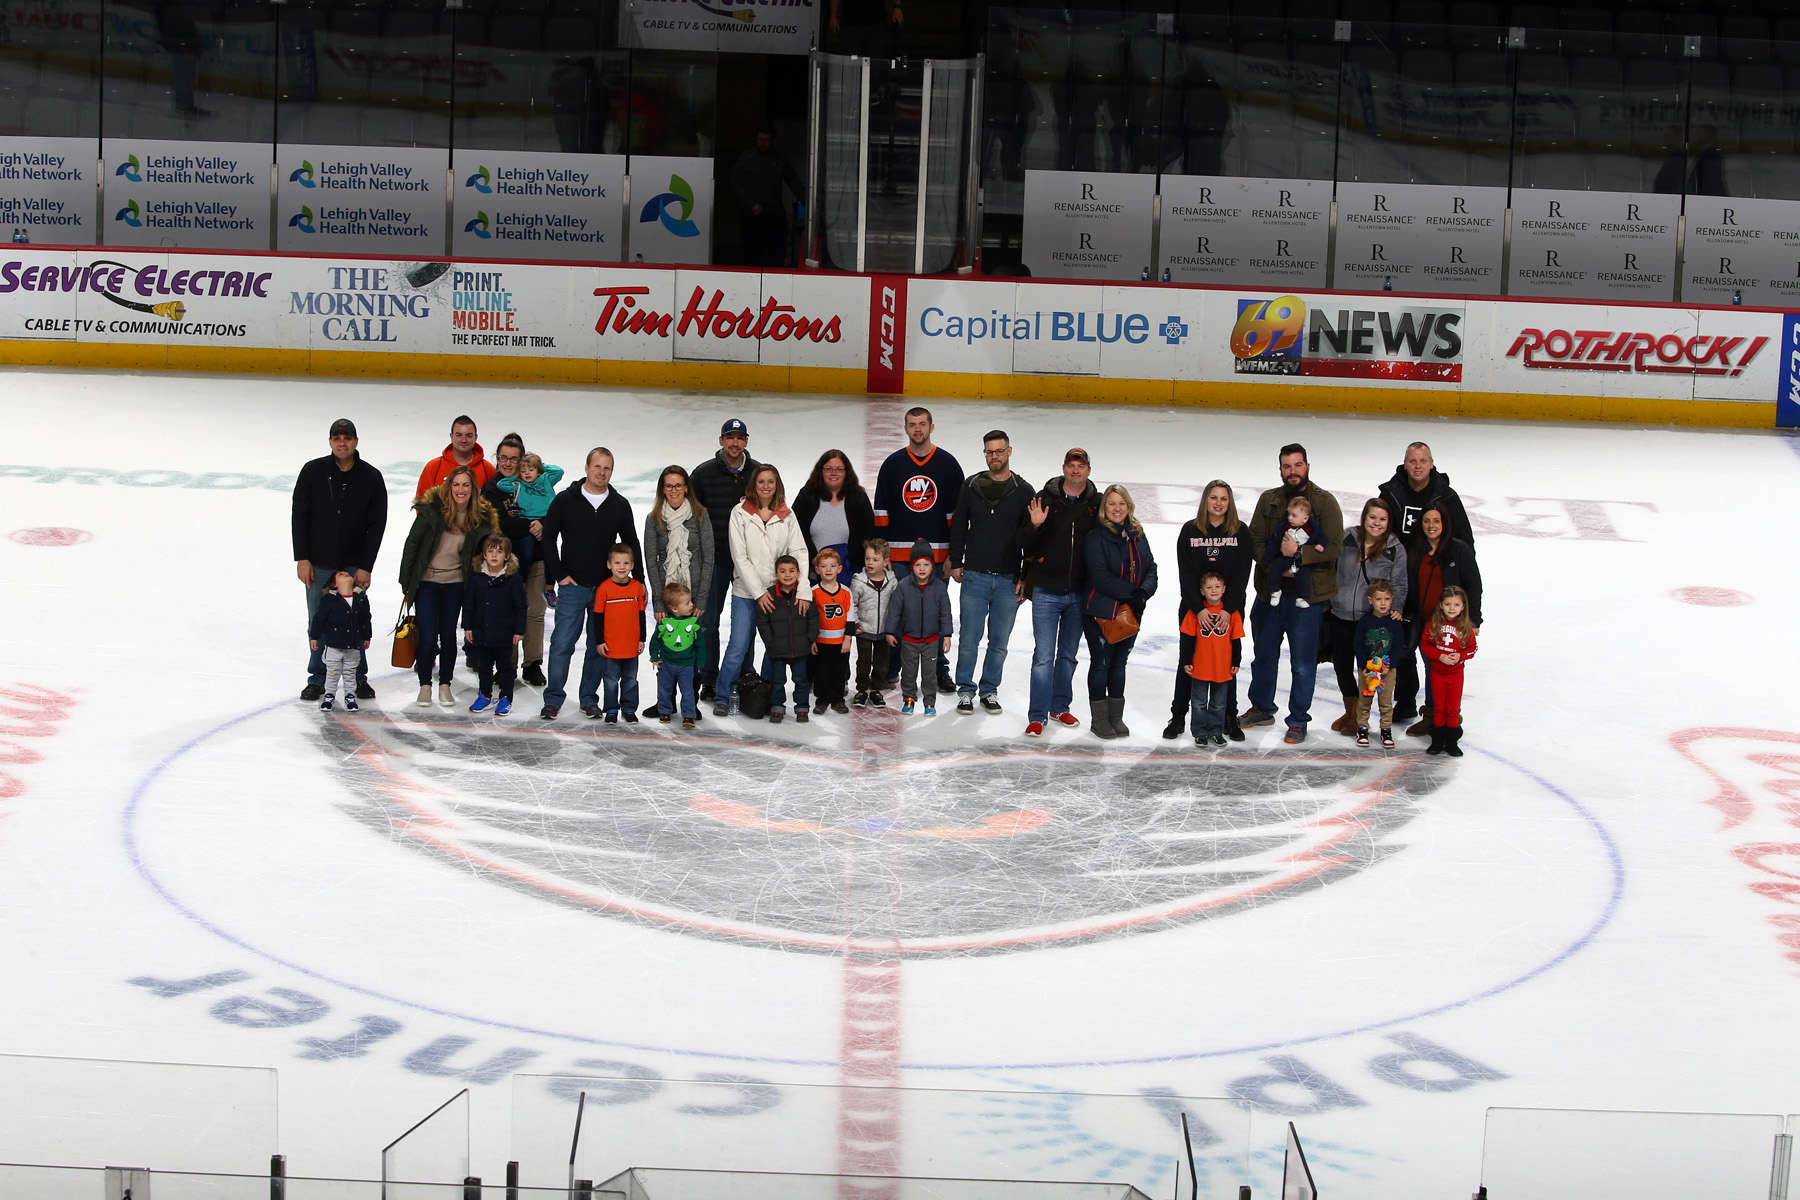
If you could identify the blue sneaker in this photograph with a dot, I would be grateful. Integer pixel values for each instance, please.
(481, 702)
(906, 708)
(931, 710)
(502, 708)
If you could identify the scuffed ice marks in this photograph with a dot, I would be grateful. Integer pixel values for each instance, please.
(975, 852)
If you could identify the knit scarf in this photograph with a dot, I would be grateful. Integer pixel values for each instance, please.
(678, 557)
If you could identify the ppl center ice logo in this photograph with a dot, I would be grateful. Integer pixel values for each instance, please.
(781, 846)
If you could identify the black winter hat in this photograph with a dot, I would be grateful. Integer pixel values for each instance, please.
(921, 549)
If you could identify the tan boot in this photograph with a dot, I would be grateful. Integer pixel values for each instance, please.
(1421, 728)
(425, 695)
(1346, 724)
(445, 698)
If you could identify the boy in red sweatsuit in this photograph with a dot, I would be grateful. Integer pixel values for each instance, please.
(619, 604)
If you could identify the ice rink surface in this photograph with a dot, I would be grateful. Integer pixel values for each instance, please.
(1593, 909)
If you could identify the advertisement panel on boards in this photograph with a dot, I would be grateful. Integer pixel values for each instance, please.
(1420, 237)
(211, 195)
(523, 204)
(1349, 337)
(1248, 232)
(1741, 251)
(743, 27)
(47, 190)
(672, 199)
(360, 199)
(1594, 245)
(1087, 224)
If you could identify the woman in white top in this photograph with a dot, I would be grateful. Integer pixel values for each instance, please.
(762, 529)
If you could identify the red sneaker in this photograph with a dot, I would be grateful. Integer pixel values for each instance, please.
(1066, 718)
(1035, 729)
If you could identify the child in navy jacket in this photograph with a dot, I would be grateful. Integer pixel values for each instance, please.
(493, 620)
(342, 627)
(918, 622)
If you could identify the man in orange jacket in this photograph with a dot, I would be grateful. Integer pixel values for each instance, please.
(463, 451)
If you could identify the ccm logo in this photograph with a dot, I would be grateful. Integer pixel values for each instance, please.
(889, 307)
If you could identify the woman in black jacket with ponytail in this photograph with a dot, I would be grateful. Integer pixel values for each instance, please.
(1215, 540)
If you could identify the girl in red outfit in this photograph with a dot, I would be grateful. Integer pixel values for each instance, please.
(1448, 642)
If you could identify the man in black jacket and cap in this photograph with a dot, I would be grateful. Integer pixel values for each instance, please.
(718, 484)
(339, 517)
(1061, 516)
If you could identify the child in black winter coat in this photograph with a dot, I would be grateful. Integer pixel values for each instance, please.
(917, 623)
(342, 627)
(493, 619)
(788, 632)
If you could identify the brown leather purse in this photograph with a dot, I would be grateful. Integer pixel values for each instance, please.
(1121, 625)
(406, 638)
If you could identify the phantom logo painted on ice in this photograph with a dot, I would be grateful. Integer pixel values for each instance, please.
(793, 856)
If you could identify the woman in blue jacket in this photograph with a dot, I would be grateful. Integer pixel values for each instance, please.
(1121, 575)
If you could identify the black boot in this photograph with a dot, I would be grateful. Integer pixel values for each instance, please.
(1177, 723)
(1233, 730)
(534, 674)
(1453, 741)
(1438, 736)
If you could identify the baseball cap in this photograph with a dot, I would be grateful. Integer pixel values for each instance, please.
(733, 426)
(343, 425)
(1077, 454)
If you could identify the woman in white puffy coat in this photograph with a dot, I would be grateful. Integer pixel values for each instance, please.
(762, 529)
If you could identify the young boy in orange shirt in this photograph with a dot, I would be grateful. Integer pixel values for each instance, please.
(619, 605)
(837, 630)
(1217, 638)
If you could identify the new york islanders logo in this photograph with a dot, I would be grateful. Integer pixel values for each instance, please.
(920, 493)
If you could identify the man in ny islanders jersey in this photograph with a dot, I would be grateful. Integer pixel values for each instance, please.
(915, 496)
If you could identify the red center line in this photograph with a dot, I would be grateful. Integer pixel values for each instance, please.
(869, 1039)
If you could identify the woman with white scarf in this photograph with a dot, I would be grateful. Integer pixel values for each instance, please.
(678, 545)
(678, 542)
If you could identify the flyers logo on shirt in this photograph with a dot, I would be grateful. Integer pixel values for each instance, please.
(831, 611)
(921, 493)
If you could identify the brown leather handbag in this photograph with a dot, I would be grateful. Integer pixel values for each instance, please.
(406, 637)
(1121, 625)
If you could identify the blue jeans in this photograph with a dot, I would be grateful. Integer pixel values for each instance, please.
(1300, 626)
(1056, 635)
(1212, 703)
(620, 675)
(743, 632)
(669, 679)
(1185, 685)
(990, 600)
(437, 609)
(1106, 661)
(574, 608)
(775, 670)
(718, 593)
(315, 666)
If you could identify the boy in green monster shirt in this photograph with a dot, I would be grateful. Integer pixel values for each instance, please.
(677, 647)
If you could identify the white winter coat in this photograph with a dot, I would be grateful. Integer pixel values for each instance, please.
(756, 544)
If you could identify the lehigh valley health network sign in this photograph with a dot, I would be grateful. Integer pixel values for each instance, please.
(47, 190)
(516, 204)
(360, 199)
(742, 26)
(213, 195)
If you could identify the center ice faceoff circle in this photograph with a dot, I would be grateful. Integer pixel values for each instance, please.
(1250, 887)
(987, 851)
